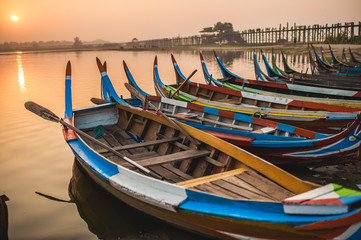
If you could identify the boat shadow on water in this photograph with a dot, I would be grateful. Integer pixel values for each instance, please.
(4, 218)
(109, 218)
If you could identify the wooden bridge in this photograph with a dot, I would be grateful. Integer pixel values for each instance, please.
(280, 35)
(303, 34)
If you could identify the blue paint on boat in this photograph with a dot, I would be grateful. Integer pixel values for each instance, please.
(257, 136)
(270, 71)
(243, 117)
(101, 167)
(356, 235)
(225, 71)
(68, 98)
(207, 75)
(214, 111)
(179, 71)
(134, 84)
(257, 68)
(286, 128)
(209, 204)
(104, 91)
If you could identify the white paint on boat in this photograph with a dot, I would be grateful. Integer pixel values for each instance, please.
(174, 102)
(147, 189)
(240, 237)
(90, 119)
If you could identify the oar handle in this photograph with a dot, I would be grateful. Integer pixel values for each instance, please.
(83, 134)
(49, 115)
(183, 83)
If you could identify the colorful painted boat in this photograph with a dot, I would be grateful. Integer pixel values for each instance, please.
(347, 67)
(288, 71)
(353, 58)
(227, 99)
(215, 189)
(283, 90)
(268, 100)
(283, 87)
(274, 142)
(330, 82)
(325, 68)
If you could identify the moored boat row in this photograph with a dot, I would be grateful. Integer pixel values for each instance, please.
(206, 184)
(275, 142)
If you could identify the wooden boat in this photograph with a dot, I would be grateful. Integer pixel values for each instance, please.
(105, 216)
(333, 77)
(284, 87)
(348, 67)
(318, 74)
(353, 58)
(213, 188)
(283, 90)
(231, 100)
(311, 84)
(270, 99)
(274, 142)
(322, 67)
(329, 81)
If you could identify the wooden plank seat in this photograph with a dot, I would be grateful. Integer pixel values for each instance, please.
(179, 156)
(157, 162)
(142, 144)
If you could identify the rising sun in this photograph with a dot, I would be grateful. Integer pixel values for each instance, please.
(15, 18)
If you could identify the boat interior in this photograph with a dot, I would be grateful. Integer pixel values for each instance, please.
(242, 122)
(225, 96)
(169, 154)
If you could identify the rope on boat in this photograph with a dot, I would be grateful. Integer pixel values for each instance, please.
(98, 131)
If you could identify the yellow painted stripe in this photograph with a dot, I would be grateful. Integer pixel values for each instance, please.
(264, 111)
(209, 178)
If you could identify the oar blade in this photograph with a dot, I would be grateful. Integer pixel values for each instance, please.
(41, 111)
(99, 101)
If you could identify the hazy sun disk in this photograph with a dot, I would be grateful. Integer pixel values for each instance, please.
(14, 18)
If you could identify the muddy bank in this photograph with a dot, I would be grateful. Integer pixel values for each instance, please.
(287, 48)
(347, 175)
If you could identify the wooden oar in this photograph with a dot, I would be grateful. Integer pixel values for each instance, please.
(49, 115)
(99, 101)
(210, 80)
(141, 97)
(53, 198)
(185, 81)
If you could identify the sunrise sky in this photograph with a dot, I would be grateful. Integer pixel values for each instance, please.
(122, 20)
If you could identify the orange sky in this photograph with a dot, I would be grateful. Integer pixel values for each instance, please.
(122, 20)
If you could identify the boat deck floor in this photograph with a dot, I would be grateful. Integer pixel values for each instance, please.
(241, 184)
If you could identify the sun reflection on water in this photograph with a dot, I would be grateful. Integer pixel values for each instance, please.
(21, 78)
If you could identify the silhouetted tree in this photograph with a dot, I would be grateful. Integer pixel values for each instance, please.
(77, 42)
(224, 33)
(223, 28)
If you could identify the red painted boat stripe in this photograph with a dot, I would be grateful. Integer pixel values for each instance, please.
(227, 114)
(334, 223)
(68, 133)
(265, 122)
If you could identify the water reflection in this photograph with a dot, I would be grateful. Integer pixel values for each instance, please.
(109, 218)
(21, 79)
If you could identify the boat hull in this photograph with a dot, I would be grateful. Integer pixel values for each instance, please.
(186, 201)
(217, 226)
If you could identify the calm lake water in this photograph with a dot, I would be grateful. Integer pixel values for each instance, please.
(35, 158)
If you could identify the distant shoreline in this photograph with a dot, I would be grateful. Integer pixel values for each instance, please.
(287, 48)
